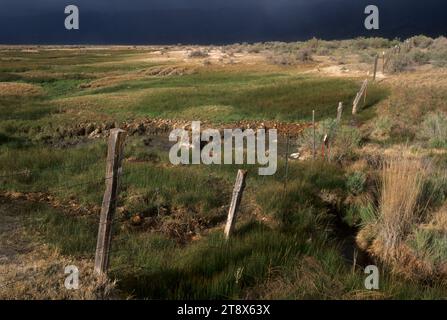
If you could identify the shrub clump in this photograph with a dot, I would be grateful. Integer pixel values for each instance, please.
(407, 60)
(347, 140)
(407, 230)
(399, 63)
(304, 55)
(419, 57)
(438, 52)
(343, 140)
(287, 59)
(281, 59)
(382, 128)
(328, 126)
(421, 41)
(417, 51)
(198, 54)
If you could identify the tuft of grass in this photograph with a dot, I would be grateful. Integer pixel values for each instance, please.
(402, 183)
(343, 139)
(355, 182)
(430, 244)
(346, 142)
(382, 127)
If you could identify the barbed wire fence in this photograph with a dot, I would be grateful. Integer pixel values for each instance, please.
(24, 175)
(107, 244)
(114, 181)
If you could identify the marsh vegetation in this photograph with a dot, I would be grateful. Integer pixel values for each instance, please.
(382, 191)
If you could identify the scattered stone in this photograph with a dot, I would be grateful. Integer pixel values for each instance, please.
(94, 134)
(295, 155)
(89, 129)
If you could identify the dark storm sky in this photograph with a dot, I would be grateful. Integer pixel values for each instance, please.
(213, 21)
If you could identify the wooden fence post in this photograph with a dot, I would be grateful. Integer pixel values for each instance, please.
(314, 150)
(339, 111)
(359, 96)
(365, 94)
(376, 61)
(113, 172)
(235, 202)
(287, 162)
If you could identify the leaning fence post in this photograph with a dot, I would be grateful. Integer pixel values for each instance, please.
(113, 172)
(339, 111)
(287, 162)
(235, 202)
(376, 61)
(359, 96)
(354, 105)
(314, 150)
(365, 94)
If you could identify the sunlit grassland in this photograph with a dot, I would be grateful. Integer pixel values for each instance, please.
(216, 94)
(223, 97)
(261, 260)
(258, 262)
(17, 60)
(286, 243)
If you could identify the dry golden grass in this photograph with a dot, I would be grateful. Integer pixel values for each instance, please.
(32, 270)
(158, 71)
(402, 181)
(405, 235)
(19, 89)
(412, 95)
(366, 295)
(421, 78)
(439, 219)
(39, 274)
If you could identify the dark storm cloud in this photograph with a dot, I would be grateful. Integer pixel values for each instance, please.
(213, 21)
(153, 4)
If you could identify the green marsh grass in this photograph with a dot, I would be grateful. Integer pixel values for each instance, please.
(263, 259)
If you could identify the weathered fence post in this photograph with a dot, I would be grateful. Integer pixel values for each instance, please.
(359, 96)
(235, 202)
(339, 111)
(354, 104)
(314, 150)
(287, 162)
(383, 62)
(376, 61)
(365, 94)
(113, 172)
